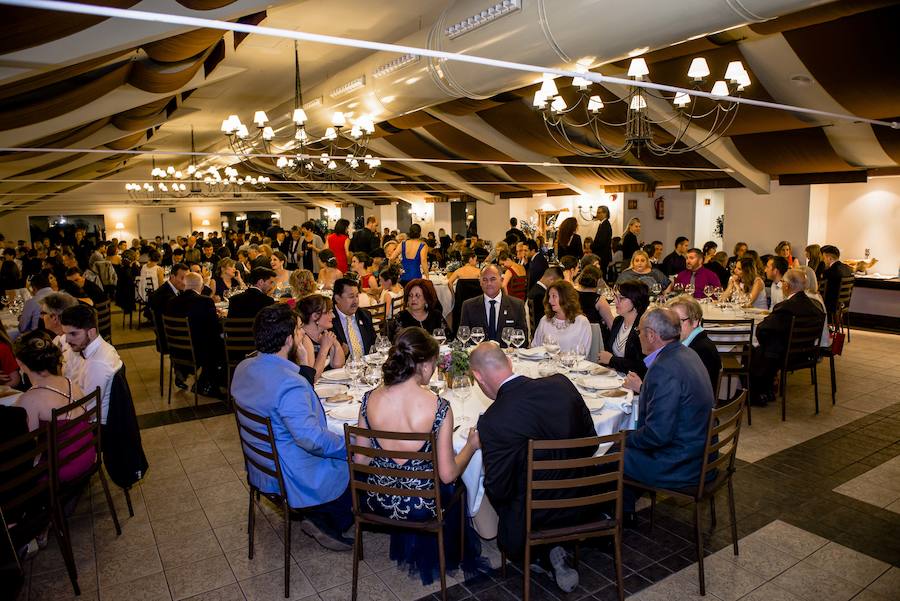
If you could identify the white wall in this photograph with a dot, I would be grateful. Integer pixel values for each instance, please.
(678, 220)
(387, 216)
(763, 220)
(493, 219)
(705, 216)
(861, 216)
(525, 208)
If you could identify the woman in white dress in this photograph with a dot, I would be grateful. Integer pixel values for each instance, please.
(563, 319)
(152, 275)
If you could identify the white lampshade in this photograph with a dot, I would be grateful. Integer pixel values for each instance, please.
(227, 128)
(268, 133)
(301, 135)
(638, 103)
(356, 131)
(338, 120)
(162, 187)
(191, 170)
(638, 68)
(595, 103)
(204, 222)
(235, 121)
(330, 133)
(260, 118)
(681, 100)
(170, 170)
(242, 132)
(743, 80)
(558, 105)
(281, 163)
(332, 165)
(720, 88)
(548, 87)
(539, 100)
(120, 225)
(299, 116)
(698, 69)
(734, 70)
(580, 82)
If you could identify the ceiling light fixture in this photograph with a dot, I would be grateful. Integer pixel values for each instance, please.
(582, 112)
(482, 18)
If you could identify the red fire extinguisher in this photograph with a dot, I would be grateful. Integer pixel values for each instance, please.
(659, 206)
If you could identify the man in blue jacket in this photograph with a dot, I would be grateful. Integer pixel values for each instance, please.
(676, 400)
(313, 459)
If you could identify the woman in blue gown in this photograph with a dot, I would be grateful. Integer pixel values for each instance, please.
(402, 404)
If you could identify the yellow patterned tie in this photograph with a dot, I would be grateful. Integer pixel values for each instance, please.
(355, 344)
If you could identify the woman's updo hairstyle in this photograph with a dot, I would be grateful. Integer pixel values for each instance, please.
(38, 353)
(312, 305)
(412, 347)
(326, 256)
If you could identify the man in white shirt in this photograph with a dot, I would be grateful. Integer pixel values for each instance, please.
(493, 310)
(776, 267)
(99, 359)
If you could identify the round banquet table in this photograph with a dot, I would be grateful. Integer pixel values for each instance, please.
(469, 403)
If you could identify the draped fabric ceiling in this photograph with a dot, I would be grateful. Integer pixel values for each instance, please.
(843, 45)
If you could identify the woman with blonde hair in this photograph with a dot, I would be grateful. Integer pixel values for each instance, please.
(630, 242)
(227, 278)
(302, 284)
(563, 320)
(784, 249)
(643, 271)
(814, 260)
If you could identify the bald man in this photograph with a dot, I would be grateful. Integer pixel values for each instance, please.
(206, 333)
(493, 310)
(527, 409)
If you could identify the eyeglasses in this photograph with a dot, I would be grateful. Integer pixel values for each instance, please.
(684, 319)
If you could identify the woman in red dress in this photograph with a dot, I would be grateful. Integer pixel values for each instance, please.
(339, 243)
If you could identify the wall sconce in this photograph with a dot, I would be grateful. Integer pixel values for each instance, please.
(588, 212)
(418, 214)
(120, 226)
(204, 222)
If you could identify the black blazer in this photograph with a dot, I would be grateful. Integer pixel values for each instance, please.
(206, 332)
(573, 249)
(536, 268)
(248, 303)
(530, 409)
(634, 357)
(363, 320)
(511, 315)
(363, 240)
(602, 244)
(629, 245)
(774, 330)
(157, 303)
(673, 264)
(833, 276)
(709, 355)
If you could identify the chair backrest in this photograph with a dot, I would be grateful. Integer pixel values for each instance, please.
(178, 340)
(104, 320)
(379, 316)
(75, 433)
(803, 343)
(591, 479)
(846, 292)
(722, 436)
(25, 472)
(733, 338)
(259, 449)
(596, 341)
(397, 304)
(359, 472)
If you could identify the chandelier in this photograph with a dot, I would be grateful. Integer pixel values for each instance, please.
(586, 113)
(339, 154)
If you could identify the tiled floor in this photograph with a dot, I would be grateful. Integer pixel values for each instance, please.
(802, 539)
(880, 486)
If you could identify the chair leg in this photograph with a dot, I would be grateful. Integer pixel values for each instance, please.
(196, 387)
(747, 405)
(442, 565)
(251, 524)
(712, 514)
(699, 542)
(652, 509)
(128, 501)
(833, 380)
(162, 368)
(65, 546)
(617, 543)
(815, 382)
(526, 571)
(575, 554)
(734, 536)
(357, 547)
(287, 551)
(109, 502)
(171, 378)
(462, 530)
(783, 397)
(503, 564)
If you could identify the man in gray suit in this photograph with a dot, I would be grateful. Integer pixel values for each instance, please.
(493, 310)
(666, 448)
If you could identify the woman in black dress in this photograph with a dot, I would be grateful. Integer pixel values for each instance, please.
(630, 241)
(422, 309)
(587, 285)
(568, 243)
(623, 345)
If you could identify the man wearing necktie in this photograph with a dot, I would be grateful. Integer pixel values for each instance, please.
(493, 310)
(355, 331)
(291, 248)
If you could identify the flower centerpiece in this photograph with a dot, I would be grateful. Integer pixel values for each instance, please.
(455, 364)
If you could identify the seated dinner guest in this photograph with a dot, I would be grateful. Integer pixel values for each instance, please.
(261, 284)
(227, 277)
(468, 271)
(422, 308)
(493, 310)
(361, 265)
(676, 261)
(563, 319)
(696, 274)
(389, 280)
(623, 342)
(9, 369)
(328, 269)
(313, 459)
(526, 409)
(690, 314)
(354, 329)
(773, 333)
(323, 351)
(642, 271)
(776, 267)
(513, 275)
(835, 271)
(282, 274)
(83, 289)
(746, 280)
(586, 286)
(404, 404)
(42, 284)
(676, 400)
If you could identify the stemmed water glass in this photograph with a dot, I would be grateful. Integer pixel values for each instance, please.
(382, 345)
(551, 345)
(689, 289)
(439, 335)
(463, 334)
(506, 336)
(372, 375)
(518, 338)
(355, 368)
(610, 294)
(678, 289)
(477, 335)
(708, 291)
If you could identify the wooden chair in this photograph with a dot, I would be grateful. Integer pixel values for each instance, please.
(717, 470)
(802, 353)
(602, 484)
(735, 354)
(104, 320)
(397, 305)
(261, 453)
(359, 485)
(71, 438)
(239, 343)
(139, 301)
(379, 317)
(181, 351)
(841, 319)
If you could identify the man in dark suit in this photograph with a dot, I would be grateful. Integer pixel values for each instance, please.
(602, 244)
(206, 333)
(352, 326)
(537, 263)
(537, 292)
(292, 249)
(248, 303)
(365, 240)
(773, 332)
(527, 409)
(493, 310)
(835, 272)
(666, 448)
(676, 262)
(514, 235)
(157, 304)
(81, 288)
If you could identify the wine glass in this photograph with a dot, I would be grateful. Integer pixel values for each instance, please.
(506, 336)
(354, 369)
(373, 375)
(439, 335)
(610, 294)
(518, 338)
(655, 289)
(678, 289)
(708, 291)
(689, 289)
(382, 345)
(477, 334)
(551, 345)
(463, 334)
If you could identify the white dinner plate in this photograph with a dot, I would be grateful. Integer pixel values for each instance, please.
(599, 382)
(344, 412)
(616, 393)
(532, 354)
(326, 391)
(336, 375)
(594, 404)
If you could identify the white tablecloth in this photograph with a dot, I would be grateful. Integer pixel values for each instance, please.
(444, 294)
(710, 311)
(469, 404)
(10, 323)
